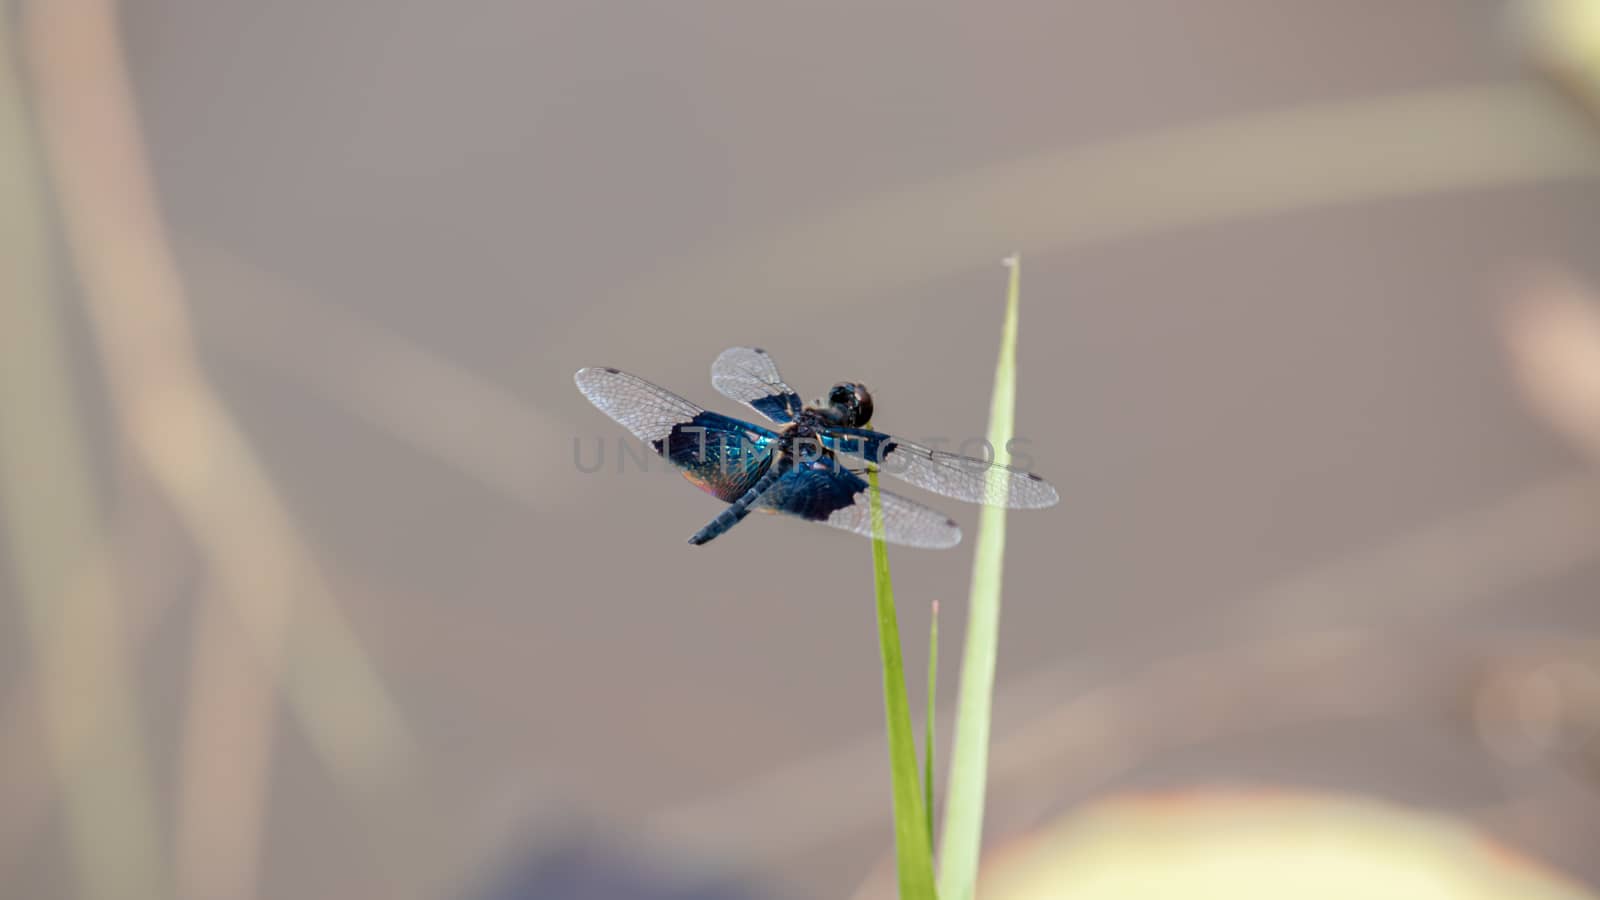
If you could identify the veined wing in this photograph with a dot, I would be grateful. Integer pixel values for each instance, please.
(823, 491)
(720, 455)
(650, 412)
(748, 375)
(950, 474)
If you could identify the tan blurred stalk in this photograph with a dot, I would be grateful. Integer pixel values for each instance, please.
(1553, 331)
(416, 396)
(1269, 163)
(134, 544)
(71, 609)
(264, 577)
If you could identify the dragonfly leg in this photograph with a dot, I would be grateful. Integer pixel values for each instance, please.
(740, 508)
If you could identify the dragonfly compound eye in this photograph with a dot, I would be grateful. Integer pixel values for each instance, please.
(863, 405)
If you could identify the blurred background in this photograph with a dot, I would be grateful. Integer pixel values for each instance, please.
(305, 592)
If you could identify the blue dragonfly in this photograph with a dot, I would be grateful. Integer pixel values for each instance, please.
(802, 468)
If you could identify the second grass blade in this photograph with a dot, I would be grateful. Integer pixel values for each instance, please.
(969, 760)
(928, 731)
(913, 848)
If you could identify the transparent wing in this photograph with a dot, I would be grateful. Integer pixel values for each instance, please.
(748, 375)
(650, 412)
(823, 491)
(950, 474)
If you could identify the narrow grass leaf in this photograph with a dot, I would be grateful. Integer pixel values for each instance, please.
(969, 761)
(913, 849)
(927, 728)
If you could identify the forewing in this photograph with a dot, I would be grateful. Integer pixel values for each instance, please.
(949, 474)
(749, 375)
(720, 455)
(823, 491)
(650, 412)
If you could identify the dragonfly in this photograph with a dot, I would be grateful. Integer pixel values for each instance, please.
(802, 466)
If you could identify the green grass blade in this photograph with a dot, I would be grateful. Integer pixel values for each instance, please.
(913, 850)
(969, 761)
(927, 727)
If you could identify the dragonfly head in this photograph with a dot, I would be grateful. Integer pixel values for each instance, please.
(849, 405)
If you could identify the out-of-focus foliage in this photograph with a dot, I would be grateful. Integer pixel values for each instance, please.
(1566, 39)
(1268, 846)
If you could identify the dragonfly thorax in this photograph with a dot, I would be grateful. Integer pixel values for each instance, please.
(846, 406)
(802, 438)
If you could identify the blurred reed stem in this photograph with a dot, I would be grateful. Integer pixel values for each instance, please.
(143, 554)
(1256, 165)
(273, 618)
(57, 545)
(1552, 330)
